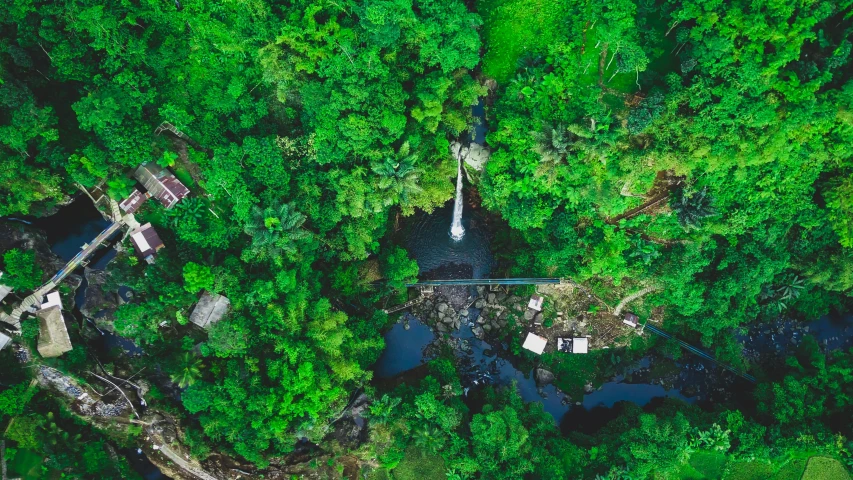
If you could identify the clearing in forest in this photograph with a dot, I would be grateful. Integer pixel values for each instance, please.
(825, 468)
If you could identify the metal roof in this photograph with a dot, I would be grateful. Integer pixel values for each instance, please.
(145, 240)
(53, 336)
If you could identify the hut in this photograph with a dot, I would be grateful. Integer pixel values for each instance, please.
(535, 303)
(535, 343)
(53, 336)
(573, 345)
(209, 310)
(146, 242)
(5, 340)
(631, 320)
(161, 184)
(132, 203)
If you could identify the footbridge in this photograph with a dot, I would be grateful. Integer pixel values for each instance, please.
(699, 353)
(79, 260)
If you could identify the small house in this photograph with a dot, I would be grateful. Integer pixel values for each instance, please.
(132, 203)
(535, 303)
(209, 310)
(535, 343)
(53, 336)
(573, 345)
(631, 320)
(146, 242)
(161, 184)
(5, 340)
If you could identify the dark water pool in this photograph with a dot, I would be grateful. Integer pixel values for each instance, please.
(72, 226)
(429, 243)
(143, 466)
(404, 349)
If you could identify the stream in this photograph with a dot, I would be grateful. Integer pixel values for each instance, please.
(66, 231)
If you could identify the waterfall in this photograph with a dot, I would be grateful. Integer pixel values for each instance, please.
(457, 231)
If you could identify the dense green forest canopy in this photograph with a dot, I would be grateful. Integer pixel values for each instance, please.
(700, 148)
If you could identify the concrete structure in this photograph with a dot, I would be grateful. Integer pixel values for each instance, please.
(573, 345)
(52, 299)
(5, 340)
(161, 184)
(53, 336)
(535, 303)
(132, 203)
(209, 310)
(146, 242)
(535, 343)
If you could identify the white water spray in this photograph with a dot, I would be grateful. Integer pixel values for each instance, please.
(457, 231)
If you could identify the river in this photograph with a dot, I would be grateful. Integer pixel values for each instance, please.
(410, 342)
(66, 231)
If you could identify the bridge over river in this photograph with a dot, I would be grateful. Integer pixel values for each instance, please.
(79, 260)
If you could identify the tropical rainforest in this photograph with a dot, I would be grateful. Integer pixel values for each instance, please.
(697, 151)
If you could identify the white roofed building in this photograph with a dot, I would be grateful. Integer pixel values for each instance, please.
(535, 343)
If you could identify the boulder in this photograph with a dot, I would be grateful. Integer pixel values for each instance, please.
(529, 314)
(492, 297)
(588, 388)
(448, 320)
(514, 299)
(518, 307)
(441, 327)
(442, 307)
(487, 327)
(480, 303)
(500, 296)
(544, 377)
(477, 331)
(538, 318)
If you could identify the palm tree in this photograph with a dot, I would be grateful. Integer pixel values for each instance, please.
(691, 208)
(552, 143)
(189, 370)
(428, 437)
(398, 177)
(275, 230)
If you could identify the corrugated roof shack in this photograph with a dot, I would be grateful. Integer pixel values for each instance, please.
(161, 184)
(209, 310)
(146, 242)
(132, 203)
(53, 336)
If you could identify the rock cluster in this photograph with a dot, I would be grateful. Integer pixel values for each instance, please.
(497, 311)
(438, 312)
